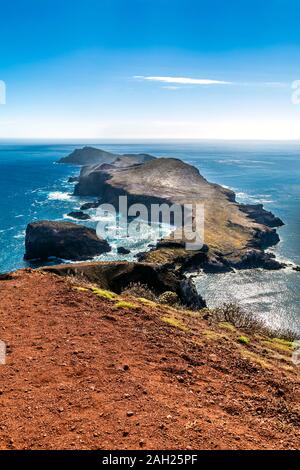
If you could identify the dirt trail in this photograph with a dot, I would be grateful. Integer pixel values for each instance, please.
(83, 374)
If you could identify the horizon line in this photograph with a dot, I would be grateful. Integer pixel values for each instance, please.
(145, 139)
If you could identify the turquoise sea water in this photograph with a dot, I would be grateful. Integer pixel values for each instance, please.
(33, 187)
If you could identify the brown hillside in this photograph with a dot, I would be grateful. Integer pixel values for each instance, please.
(85, 371)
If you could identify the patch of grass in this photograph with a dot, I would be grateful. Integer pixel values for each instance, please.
(175, 322)
(255, 358)
(213, 335)
(147, 302)
(105, 294)
(283, 342)
(192, 313)
(290, 369)
(227, 326)
(125, 305)
(81, 289)
(243, 340)
(284, 334)
(279, 346)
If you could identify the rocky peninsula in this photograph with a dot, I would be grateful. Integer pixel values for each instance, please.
(236, 235)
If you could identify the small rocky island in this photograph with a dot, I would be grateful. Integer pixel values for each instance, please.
(236, 235)
(64, 240)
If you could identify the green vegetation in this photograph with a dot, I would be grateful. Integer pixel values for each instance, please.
(279, 344)
(81, 289)
(125, 305)
(232, 314)
(256, 359)
(227, 326)
(168, 298)
(284, 342)
(175, 322)
(212, 335)
(136, 289)
(243, 340)
(105, 294)
(148, 302)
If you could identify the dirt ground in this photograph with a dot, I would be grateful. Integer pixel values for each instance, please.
(84, 372)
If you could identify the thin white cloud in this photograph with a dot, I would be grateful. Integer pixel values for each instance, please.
(183, 80)
(173, 82)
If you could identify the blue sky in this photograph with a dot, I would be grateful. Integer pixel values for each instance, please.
(149, 69)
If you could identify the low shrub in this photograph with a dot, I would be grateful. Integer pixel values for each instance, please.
(136, 289)
(233, 314)
(168, 298)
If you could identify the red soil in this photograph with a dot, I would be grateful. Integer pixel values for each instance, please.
(82, 375)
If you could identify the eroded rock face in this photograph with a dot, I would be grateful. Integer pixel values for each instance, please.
(261, 215)
(64, 240)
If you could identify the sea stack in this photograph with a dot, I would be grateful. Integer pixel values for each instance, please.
(63, 240)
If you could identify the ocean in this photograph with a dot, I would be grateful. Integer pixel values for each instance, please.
(34, 187)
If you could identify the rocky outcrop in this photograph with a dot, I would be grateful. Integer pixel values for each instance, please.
(92, 155)
(236, 235)
(89, 205)
(64, 240)
(250, 259)
(79, 215)
(122, 250)
(261, 215)
(73, 179)
(116, 276)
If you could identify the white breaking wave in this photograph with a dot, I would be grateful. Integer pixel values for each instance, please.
(59, 195)
(20, 235)
(259, 199)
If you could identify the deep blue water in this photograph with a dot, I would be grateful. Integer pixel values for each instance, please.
(33, 187)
